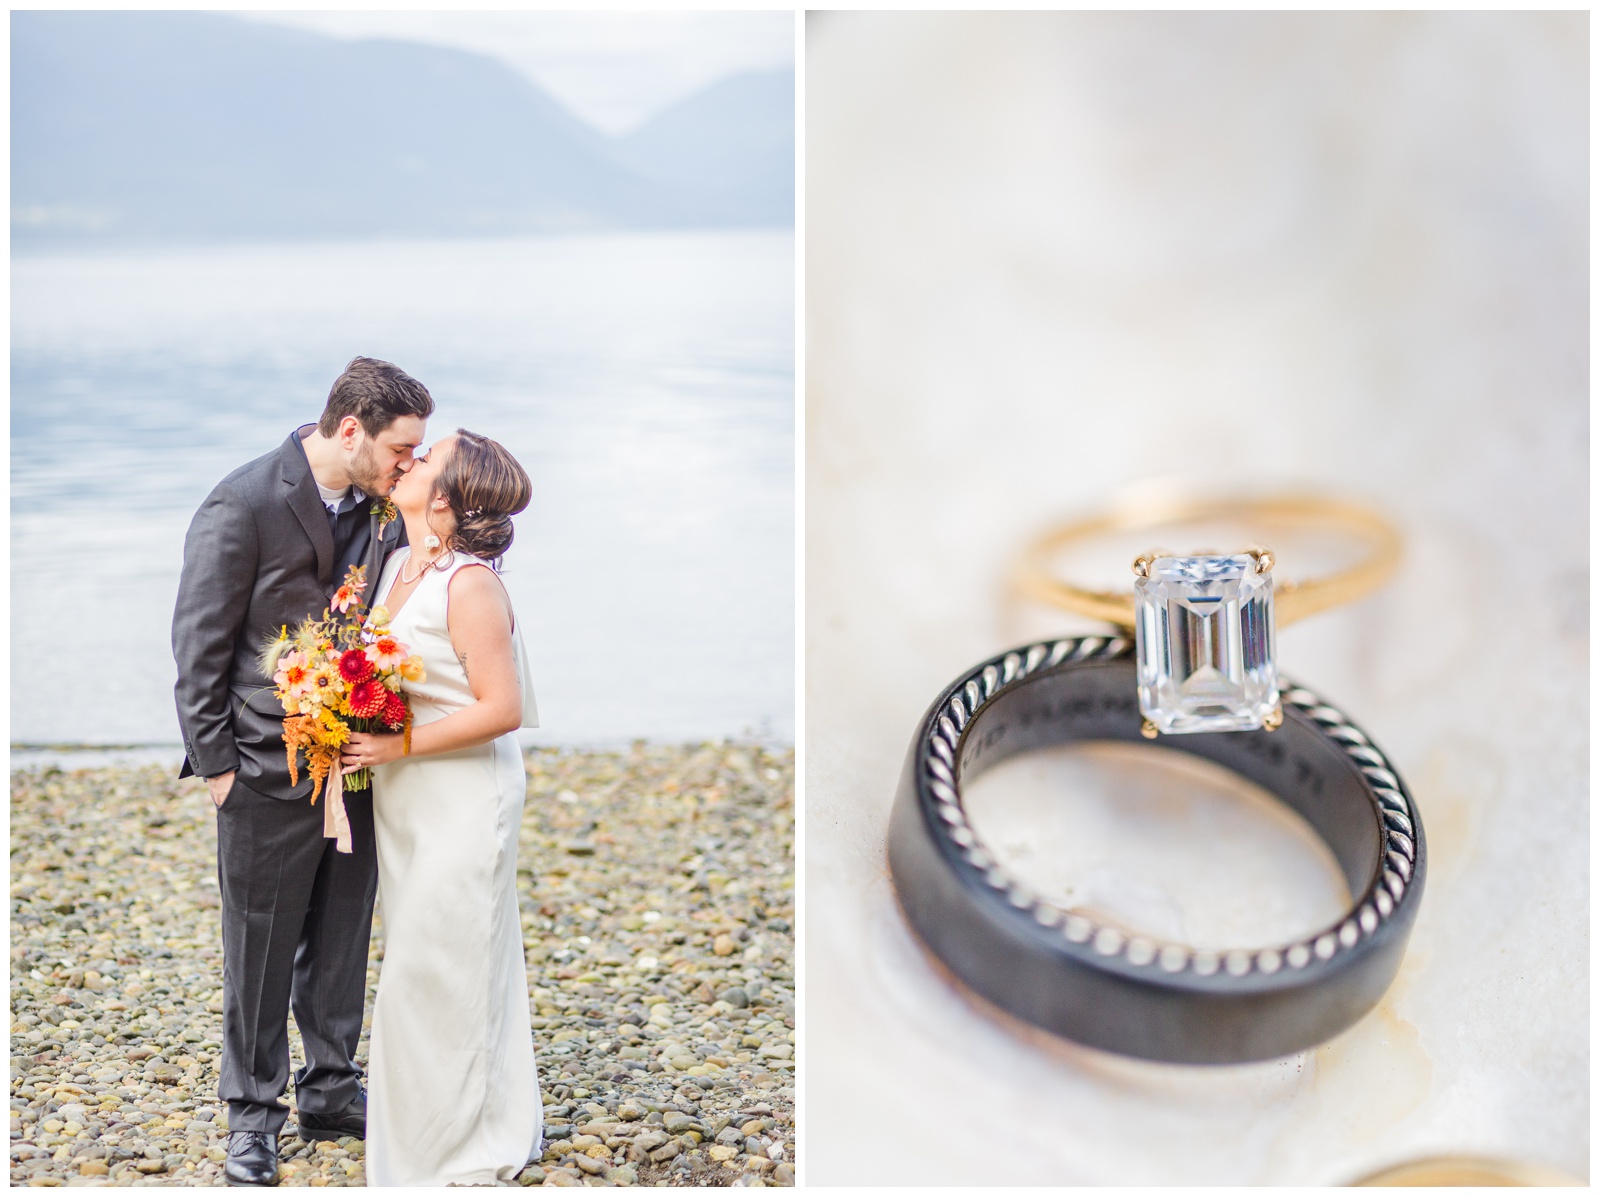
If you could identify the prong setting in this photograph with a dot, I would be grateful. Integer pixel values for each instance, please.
(1206, 647)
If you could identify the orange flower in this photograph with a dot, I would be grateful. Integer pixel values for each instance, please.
(302, 732)
(293, 672)
(386, 652)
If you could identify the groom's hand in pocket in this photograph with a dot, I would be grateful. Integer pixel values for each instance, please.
(219, 787)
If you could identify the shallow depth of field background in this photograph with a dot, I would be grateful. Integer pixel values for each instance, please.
(1052, 257)
(610, 294)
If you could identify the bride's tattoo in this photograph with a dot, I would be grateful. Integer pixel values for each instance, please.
(462, 657)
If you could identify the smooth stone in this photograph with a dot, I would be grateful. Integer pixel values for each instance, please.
(158, 1102)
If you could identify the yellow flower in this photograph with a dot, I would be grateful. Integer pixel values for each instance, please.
(322, 687)
(335, 731)
(378, 618)
(411, 669)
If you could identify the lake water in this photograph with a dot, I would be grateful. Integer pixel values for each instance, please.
(646, 382)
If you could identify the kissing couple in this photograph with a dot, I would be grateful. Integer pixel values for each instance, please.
(453, 1097)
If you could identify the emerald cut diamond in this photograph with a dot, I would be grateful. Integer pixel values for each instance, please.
(1206, 645)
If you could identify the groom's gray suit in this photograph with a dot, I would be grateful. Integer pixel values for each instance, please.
(263, 552)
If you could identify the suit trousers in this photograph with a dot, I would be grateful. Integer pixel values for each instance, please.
(296, 924)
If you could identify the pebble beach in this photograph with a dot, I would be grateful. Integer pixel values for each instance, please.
(657, 895)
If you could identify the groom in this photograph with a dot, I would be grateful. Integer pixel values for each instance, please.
(267, 548)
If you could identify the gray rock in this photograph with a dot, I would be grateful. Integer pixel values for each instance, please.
(650, 1140)
(181, 952)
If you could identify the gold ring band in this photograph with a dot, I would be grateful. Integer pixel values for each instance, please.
(1471, 1171)
(1294, 599)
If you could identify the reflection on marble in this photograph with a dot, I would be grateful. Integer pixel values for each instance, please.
(1052, 257)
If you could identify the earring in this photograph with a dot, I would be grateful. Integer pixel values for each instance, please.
(431, 544)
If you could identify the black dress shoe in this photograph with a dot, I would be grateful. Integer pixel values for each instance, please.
(252, 1158)
(352, 1121)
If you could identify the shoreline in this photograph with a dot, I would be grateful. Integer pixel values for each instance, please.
(69, 756)
(656, 889)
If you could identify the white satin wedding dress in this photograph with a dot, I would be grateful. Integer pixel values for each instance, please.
(453, 1097)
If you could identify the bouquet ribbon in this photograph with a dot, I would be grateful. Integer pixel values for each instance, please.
(335, 823)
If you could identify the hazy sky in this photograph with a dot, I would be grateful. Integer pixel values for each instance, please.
(614, 69)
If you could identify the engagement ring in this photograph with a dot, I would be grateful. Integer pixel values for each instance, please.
(1206, 624)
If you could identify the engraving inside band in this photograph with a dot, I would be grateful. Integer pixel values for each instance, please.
(1298, 764)
(977, 913)
(1157, 843)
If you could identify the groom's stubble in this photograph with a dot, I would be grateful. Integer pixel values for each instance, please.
(368, 475)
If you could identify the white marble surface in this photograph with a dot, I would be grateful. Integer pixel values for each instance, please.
(1054, 256)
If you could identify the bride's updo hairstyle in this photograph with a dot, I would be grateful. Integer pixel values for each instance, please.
(485, 487)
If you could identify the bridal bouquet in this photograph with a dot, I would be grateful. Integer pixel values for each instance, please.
(338, 673)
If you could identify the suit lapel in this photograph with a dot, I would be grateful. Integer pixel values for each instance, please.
(301, 495)
(374, 562)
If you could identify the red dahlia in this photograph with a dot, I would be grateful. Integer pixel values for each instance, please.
(368, 700)
(394, 711)
(354, 666)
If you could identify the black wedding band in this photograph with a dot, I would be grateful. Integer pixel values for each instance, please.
(1097, 984)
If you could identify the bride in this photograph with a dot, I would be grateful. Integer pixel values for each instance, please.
(453, 1094)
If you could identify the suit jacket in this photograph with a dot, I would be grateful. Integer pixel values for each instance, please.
(259, 555)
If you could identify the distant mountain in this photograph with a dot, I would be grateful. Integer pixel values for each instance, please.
(189, 124)
(727, 149)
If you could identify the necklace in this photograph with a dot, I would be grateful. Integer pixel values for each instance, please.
(426, 566)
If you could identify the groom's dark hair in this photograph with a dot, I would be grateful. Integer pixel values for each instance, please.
(376, 393)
